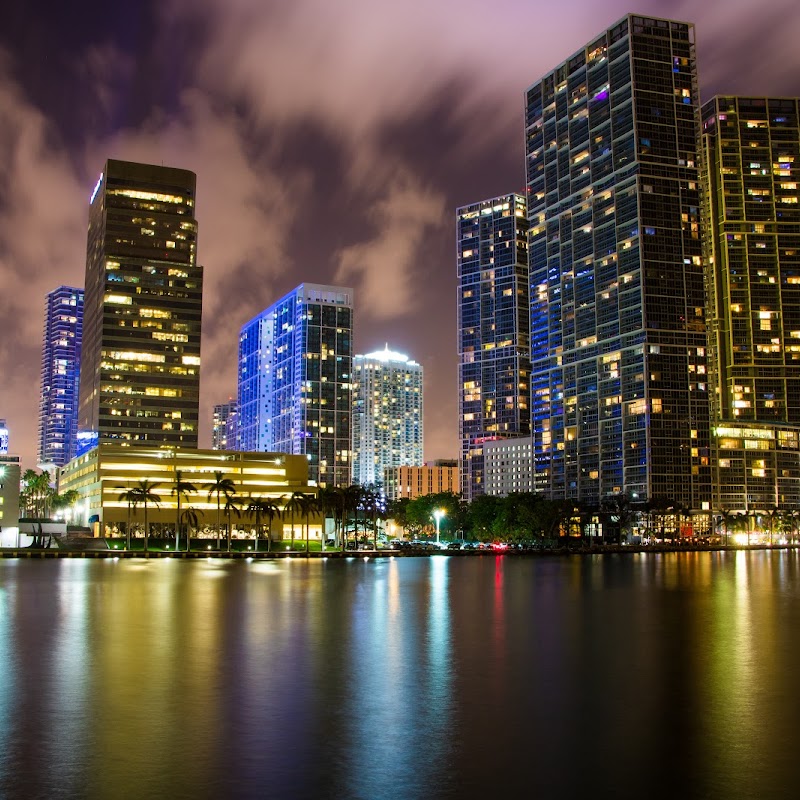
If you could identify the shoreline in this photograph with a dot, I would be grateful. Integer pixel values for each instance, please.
(50, 553)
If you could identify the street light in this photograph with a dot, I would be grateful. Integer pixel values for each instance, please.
(437, 515)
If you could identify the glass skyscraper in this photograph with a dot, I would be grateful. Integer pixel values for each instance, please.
(618, 338)
(752, 225)
(140, 365)
(387, 415)
(295, 376)
(493, 330)
(61, 361)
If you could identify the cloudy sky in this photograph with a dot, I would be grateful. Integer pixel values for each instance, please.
(332, 141)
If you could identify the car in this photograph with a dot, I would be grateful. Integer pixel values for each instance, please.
(454, 546)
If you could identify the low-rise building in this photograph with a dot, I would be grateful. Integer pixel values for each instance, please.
(9, 500)
(411, 482)
(104, 475)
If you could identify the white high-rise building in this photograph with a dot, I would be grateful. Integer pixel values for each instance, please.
(387, 414)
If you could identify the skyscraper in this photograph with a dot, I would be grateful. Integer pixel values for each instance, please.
(224, 424)
(61, 362)
(619, 377)
(387, 415)
(295, 374)
(493, 330)
(752, 226)
(140, 366)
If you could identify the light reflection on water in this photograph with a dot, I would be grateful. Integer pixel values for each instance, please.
(403, 678)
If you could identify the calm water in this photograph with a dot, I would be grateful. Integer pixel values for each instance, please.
(646, 675)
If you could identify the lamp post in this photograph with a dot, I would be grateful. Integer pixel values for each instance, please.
(437, 515)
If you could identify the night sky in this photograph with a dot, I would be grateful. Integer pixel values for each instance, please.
(332, 141)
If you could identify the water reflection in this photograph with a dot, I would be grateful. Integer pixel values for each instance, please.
(409, 678)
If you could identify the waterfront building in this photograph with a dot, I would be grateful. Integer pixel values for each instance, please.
(103, 475)
(223, 431)
(387, 414)
(509, 466)
(751, 149)
(416, 481)
(618, 337)
(60, 377)
(295, 376)
(140, 365)
(9, 498)
(493, 330)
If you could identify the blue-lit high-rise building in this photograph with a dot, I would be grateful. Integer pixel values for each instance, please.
(493, 330)
(387, 415)
(618, 336)
(295, 376)
(61, 361)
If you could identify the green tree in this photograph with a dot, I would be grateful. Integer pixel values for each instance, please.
(294, 506)
(146, 492)
(220, 486)
(310, 506)
(180, 489)
(131, 497)
(267, 507)
(232, 506)
(190, 517)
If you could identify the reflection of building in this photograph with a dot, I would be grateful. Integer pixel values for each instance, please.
(493, 330)
(61, 361)
(752, 223)
(618, 338)
(414, 482)
(224, 424)
(140, 365)
(387, 414)
(295, 373)
(107, 471)
(509, 465)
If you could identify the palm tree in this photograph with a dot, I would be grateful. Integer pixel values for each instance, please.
(232, 506)
(220, 485)
(294, 505)
(267, 506)
(145, 490)
(180, 489)
(131, 497)
(190, 517)
(310, 506)
(332, 503)
(353, 497)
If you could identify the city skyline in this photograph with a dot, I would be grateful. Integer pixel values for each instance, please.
(276, 148)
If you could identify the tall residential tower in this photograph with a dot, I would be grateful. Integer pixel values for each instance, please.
(61, 361)
(295, 374)
(140, 365)
(387, 415)
(618, 336)
(493, 330)
(752, 228)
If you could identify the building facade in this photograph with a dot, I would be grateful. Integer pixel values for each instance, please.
(618, 337)
(102, 476)
(493, 330)
(295, 380)
(60, 379)
(387, 414)
(9, 499)
(751, 174)
(414, 481)
(140, 365)
(509, 466)
(224, 427)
